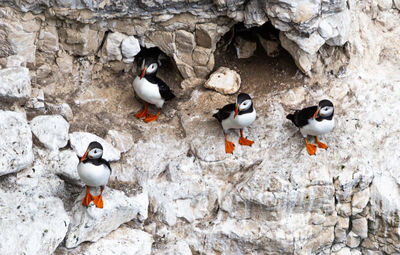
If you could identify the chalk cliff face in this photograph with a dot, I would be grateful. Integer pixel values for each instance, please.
(66, 79)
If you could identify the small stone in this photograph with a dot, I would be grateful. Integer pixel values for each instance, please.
(271, 47)
(37, 100)
(130, 47)
(16, 61)
(360, 200)
(15, 84)
(360, 227)
(80, 141)
(92, 223)
(62, 109)
(112, 47)
(244, 48)
(51, 130)
(48, 39)
(65, 63)
(224, 81)
(206, 35)
(353, 240)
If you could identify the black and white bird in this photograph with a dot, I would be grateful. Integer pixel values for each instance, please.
(94, 171)
(314, 121)
(150, 88)
(236, 116)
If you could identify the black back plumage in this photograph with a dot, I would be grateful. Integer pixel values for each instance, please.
(224, 112)
(165, 91)
(97, 162)
(300, 117)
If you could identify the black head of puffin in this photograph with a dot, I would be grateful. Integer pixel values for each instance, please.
(94, 150)
(150, 65)
(243, 102)
(326, 106)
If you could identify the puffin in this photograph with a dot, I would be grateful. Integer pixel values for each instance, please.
(150, 88)
(314, 121)
(94, 171)
(236, 116)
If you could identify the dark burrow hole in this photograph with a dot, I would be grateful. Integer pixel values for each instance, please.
(256, 54)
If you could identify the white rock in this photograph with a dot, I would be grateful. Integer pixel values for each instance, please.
(244, 48)
(360, 200)
(123, 141)
(16, 61)
(123, 241)
(15, 143)
(31, 225)
(309, 44)
(65, 165)
(176, 248)
(51, 130)
(80, 141)
(360, 227)
(37, 100)
(63, 109)
(353, 240)
(130, 47)
(112, 47)
(335, 29)
(92, 223)
(15, 84)
(224, 80)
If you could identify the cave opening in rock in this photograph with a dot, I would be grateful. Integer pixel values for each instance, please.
(168, 70)
(256, 54)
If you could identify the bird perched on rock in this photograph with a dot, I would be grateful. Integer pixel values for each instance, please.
(236, 116)
(149, 87)
(94, 171)
(314, 121)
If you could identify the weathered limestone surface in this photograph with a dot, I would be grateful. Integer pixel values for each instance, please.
(173, 189)
(15, 144)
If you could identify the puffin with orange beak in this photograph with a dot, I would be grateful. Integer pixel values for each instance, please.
(236, 116)
(94, 171)
(150, 88)
(314, 121)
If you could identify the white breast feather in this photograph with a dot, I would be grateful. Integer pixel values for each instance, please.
(93, 175)
(317, 128)
(148, 91)
(241, 121)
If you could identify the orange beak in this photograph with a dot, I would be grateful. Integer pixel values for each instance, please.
(236, 111)
(143, 73)
(84, 156)
(315, 114)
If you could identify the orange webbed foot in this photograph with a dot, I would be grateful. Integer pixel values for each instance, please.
(245, 142)
(142, 114)
(321, 145)
(229, 147)
(311, 149)
(151, 117)
(88, 198)
(98, 200)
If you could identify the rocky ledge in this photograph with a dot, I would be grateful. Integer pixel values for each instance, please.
(67, 70)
